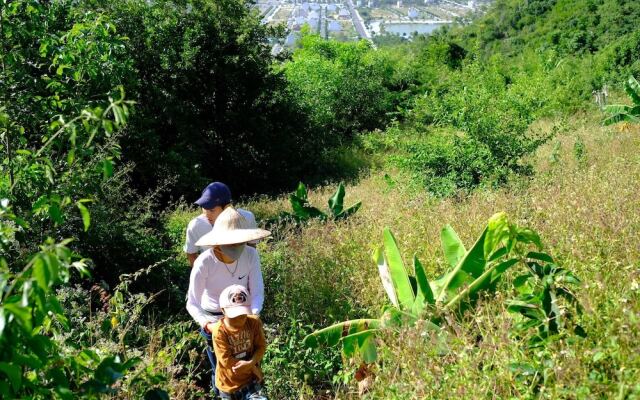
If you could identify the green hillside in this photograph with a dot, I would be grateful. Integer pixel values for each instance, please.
(478, 151)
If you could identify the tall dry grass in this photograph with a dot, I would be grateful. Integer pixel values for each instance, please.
(587, 212)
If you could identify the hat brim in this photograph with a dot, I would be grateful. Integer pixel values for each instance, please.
(206, 203)
(237, 236)
(236, 311)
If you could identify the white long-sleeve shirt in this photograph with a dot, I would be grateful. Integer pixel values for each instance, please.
(210, 276)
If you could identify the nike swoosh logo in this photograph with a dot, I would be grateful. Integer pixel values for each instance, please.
(241, 277)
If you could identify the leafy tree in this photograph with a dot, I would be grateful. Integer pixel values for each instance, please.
(210, 105)
(345, 87)
(59, 63)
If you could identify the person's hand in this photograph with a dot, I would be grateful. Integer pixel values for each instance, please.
(209, 327)
(242, 366)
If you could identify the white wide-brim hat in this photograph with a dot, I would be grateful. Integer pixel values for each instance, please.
(231, 228)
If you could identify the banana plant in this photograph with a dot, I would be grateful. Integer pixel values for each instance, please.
(623, 112)
(303, 210)
(336, 205)
(546, 302)
(499, 247)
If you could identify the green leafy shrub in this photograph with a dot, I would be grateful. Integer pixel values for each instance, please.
(344, 87)
(206, 68)
(36, 360)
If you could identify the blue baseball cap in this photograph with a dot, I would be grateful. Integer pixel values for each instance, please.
(215, 194)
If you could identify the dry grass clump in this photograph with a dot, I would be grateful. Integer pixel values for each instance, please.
(584, 203)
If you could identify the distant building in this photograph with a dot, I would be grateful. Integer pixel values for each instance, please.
(334, 26)
(413, 13)
(370, 4)
(314, 15)
(331, 8)
(313, 23)
(359, 3)
(344, 14)
(290, 41)
(305, 6)
(471, 4)
(399, 3)
(314, 6)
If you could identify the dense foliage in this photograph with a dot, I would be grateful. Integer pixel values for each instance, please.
(110, 112)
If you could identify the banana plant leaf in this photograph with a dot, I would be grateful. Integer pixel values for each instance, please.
(332, 335)
(385, 276)
(336, 204)
(452, 246)
(632, 87)
(424, 293)
(302, 209)
(398, 272)
(622, 113)
(490, 276)
(363, 342)
(349, 211)
(498, 230)
(469, 267)
(301, 192)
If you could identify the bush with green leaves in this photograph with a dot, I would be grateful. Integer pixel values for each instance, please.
(209, 101)
(35, 359)
(346, 88)
(493, 109)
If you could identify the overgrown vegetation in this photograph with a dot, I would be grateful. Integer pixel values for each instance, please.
(114, 116)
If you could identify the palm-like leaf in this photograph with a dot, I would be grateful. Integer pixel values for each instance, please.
(336, 204)
(354, 335)
(452, 246)
(622, 112)
(632, 87)
(398, 272)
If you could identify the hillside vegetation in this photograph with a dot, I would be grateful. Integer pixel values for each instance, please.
(114, 115)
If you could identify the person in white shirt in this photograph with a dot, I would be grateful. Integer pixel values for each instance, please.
(227, 261)
(214, 199)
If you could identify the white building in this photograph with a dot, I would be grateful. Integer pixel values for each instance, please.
(334, 26)
(413, 13)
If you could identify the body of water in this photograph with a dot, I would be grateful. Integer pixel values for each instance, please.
(407, 29)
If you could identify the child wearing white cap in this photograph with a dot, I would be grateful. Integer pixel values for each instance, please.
(239, 344)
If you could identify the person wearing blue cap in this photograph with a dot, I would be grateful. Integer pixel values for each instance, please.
(214, 199)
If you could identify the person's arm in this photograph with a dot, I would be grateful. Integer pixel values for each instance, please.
(190, 244)
(192, 258)
(256, 284)
(197, 282)
(223, 349)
